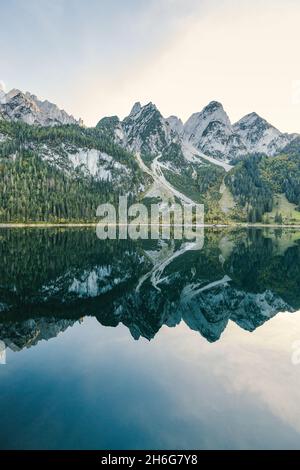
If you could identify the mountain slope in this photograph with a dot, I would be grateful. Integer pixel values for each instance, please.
(212, 132)
(259, 136)
(18, 106)
(144, 130)
(143, 284)
(256, 181)
(62, 173)
(50, 161)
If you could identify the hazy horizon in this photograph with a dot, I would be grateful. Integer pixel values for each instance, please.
(98, 58)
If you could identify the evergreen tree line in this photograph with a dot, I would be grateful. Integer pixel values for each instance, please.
(21, 135)
(255, 180)
(32, 189)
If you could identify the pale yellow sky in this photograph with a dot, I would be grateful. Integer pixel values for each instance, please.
(179, 54)
(244, 54)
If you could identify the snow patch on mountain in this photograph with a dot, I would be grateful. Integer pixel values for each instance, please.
(88, 158)
(193, 155)
(259, 136)
(24, 334)
(198, 122)
(175, 124)
(209, 311)
(18, 106)
(211, 132)
(146, 130)
(95, 282)
(3, 138)
(91, 162)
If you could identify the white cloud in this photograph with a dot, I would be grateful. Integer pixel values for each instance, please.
(2, 86)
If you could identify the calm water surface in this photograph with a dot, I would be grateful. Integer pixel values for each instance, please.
(149, 344)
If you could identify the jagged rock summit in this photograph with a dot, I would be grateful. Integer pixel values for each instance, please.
(209, 131)
(18, 106)
(145, 130)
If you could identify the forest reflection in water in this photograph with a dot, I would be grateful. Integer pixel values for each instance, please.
(51, 278)
(78, 370)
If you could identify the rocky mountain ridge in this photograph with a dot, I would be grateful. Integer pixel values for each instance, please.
(18, 106)
(145, 129)
(146, 155)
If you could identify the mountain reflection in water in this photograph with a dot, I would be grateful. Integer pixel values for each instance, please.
(52, 278)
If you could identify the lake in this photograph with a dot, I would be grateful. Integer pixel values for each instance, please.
(154, 344)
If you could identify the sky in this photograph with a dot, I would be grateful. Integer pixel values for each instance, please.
(97, 57)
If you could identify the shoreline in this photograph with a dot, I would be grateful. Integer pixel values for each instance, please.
(95, 224)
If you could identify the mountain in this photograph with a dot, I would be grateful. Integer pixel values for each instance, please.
(16, 105)
(28, 333)
(144, 130)
(175, 124)
(62, 173)
(211, 132)
(207, 314)
(237, 276)
(247, 171)
(259, 136)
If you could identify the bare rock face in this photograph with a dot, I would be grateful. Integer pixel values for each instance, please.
(18, 106)
(209, 131)
(259, 136)
(212, 132)
(145, 130)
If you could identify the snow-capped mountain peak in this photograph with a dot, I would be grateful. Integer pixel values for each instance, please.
(215, 108)
(18, 106)
(211, 132)
(11, 94)
(2, 94)
(146, 130)
(253, 120)
(259, 136)
(175, 124)
(135, 109)
(198, 122)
